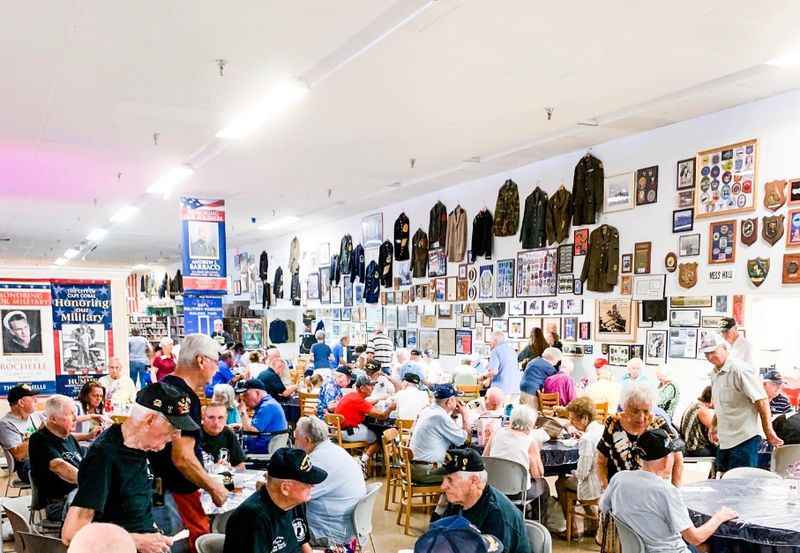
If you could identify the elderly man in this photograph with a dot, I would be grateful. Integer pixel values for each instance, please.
(738, 346)
(55, 457)
(180, 464)
(272, 519)
(220, 335)
(561, 383)
(503, 370)
(739, 402)
(17, 336)
(412, 397)
(18, 424)
(652, 507)
(435, 432)
(271, 378)
(120, 389)
(113, 538)
(778, 403)
(219, 441)
(331, 390)
(381, 347)
(330, 511)
(383, 387)
(469, 495)
(268, 415)
(536, 372)
(634, 374)
(490, 418)
(605, 390)
(114, 482)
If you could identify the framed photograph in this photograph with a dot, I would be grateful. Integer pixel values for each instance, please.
(793, 228)
(649, 287)
(791, 268)
(572, 306)
(531, 323)
(794, 192)
(447, 341)
(584, 330)
(552, 306)
(452, 289)
(682, 220)
(737, 310)
(684, 318)
(626, 285)
(437, 262)
(577, 287)
(569, 330)
(682, 343)
(712, 321)
(336, 294)
(462, 270)
(312, 286)
(727, 179)
(347, 291)
(516, 328)
(685, 174)
(537, 273)
(428, 340)
(440, 289)
(721, 304)
(689, 245)
(637, 350)
(685, 199)
(372, 230)
(565, 284)
(641, 257)
(626, 265)
(534, 307)
(615, 320)
(390, 317)
(325, 284)
(486, 281)
(402, 317)
(411, 311)
(500, 325)
(505, 279)
(647, 185)
(445, 310)
(618, 192)
(722, 242)
(551, 326)
(462, 288)
(487, 334)
(647, 323)
(565, 259)
(681, 302)
(399, 339)
(618, 354)
(463, 342)
(516, 308)
(580, 239)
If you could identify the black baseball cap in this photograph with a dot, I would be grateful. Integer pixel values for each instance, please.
(462, 460)
(727, 323)
(445, 391)
(455, 534)
(773, 376)
(251, 384)
(170, 402)
(294, 464)
(416, 352)
(373, 367)
(656, 444)
(18, 392)
(344, 369)
(411, 377)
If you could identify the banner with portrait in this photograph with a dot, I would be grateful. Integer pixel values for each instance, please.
(26, 348)
(200, 312)
(203, 239)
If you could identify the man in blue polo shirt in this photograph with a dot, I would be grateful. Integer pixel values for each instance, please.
(504, 370)
(268, 415)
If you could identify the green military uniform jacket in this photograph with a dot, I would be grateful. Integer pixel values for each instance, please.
(601, 266)
(587, 190)
(534, 231)
(506, 213)
(559, 216)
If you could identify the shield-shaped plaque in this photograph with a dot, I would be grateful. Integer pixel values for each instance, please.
(687, 274)
(749, 231)
(772, 229)
(757, 270)
(775, 194)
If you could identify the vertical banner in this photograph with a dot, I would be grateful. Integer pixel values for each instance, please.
(26, 350)
(200, 312)
(203, 239)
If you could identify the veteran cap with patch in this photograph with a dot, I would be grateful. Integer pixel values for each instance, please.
(455, 534)
(294, 464)
(462, 460)
(170, 402)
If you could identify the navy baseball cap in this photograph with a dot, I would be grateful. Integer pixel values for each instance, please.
(294, 464)
(251, 384)
(445, 391)
(656, 444)
(455, 534)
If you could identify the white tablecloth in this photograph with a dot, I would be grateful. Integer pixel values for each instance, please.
(245, 483)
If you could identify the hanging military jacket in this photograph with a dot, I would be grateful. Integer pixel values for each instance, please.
(385, 263)
(534, 228)
(295, 288)
(294, 255)
(266, 296)
(345, 255)
(263, 266)
(482, 235)
(506, 211)
(357, 264)
(437, 226)
(335, 275)
(559, 216)
(456, 235)
(277, 286)
(601, 266)
(587, 190)
(419, 254)
(372, 287)
(401, 230)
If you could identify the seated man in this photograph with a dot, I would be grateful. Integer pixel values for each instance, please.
(562, 383)
(271, 378)
(224, 374)
(268, 415)
(330, 510)
(536, 372)
(470, 496)
(17, 425)
(435, 432)
(113, 479)
(648, 503)
(273, 519)
(331, 390)
(778, 403)
(119, 387)
(55, 457)
(383, 387)
(354, 408)
(490, 418)
(218, 439)
(412, 398)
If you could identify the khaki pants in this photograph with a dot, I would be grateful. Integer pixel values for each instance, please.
(424, 473)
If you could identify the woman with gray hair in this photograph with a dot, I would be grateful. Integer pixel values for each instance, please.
(321, 353)
(224, 394)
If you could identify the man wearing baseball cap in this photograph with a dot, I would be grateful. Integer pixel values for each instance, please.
(740, 403)
(268, 415)
(274, 518)
(18, 424)
(456, 534)
(469, 495)
(114, 482)
(739, 347)
(778, 403)
(646, 500)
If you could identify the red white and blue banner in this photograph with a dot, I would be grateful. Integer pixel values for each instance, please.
(200, 312)
(203, 239)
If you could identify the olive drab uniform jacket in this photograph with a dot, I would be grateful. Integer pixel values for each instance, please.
(345, 255)
(534, 230)
(437, 226)
(506, 211)
(559, 216)
(419, 254)
(601, 266)
(587, 190)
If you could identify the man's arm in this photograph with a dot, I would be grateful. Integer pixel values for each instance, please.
(186, 462)
(677, 469)
(602, 470)
(762, 405)
(20, 452)
(381, 415)
(77, 518)
(64, 470)
(697, 535)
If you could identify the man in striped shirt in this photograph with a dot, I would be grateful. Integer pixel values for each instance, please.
(778, 403)
(381, 347)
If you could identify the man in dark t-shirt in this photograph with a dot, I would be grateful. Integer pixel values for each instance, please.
(218, 438)
(271, 378)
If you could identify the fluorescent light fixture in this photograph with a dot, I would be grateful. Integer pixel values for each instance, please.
(164, 185)
(282, 222)
(71, 253)
(140, 267)
(285, 94)
(96, 235)
(60, 261)
(124, 213)
(786, 60)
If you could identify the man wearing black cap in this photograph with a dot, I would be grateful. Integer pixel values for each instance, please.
(778, 403)
(483, 506)
(114, 480)
(412, 397)
(739, 347)
(646, 500)
(268, 415)
(331, 390)
(274, 518)
(17, 426)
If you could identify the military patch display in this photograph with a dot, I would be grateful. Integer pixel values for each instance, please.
(647, 185)
(775, 194)
(757, 270)
(791, 268)
(722, 242)
(536, 273)
(772, 229)
(726, 179)
(687, 275)
(749, 231)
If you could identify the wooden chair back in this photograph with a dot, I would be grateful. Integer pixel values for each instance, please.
(548, 400)
(469, 391)
(308, 404)
(601, 411)
(334, 423)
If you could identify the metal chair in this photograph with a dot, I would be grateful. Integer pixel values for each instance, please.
(37, 543)
(210, 543)
(220, 522)
(362, 515)
(748, 473)
(427, 495)
(510, 478)
(538, 537)
(630, 541)
(17, 509)
(13, 481)
(38, 517)
(784, 456)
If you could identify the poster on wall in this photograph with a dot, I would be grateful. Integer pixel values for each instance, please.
(200, 312)
(27, 336)
(252, 333)
(203, 240)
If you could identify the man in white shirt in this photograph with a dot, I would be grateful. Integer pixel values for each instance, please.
(120, 389)
(651, 506)
(381, 347)
(490, 418)
(382, 386)
(411, 399)
(739, 347)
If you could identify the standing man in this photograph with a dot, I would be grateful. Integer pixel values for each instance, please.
(739, 347)
(340, 352)
(739, 402)
(120, 389)
(503, 368)
(180, 464)
(138, 360)
(17, 425)
(381, 347)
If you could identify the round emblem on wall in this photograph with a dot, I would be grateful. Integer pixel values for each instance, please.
(715, 171)
(747, 186)
(671, 262)
(741, 201)
(705, 171)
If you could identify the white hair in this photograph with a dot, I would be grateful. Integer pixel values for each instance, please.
(552, 354)
(499, 336)
(634, 362)
(56, 404)
(197, 344)
(165, 341)
(638, 393)
(319, 335)
(523, 418)
(313, 428)
(139, 412)
(483, 476)
(223, 393)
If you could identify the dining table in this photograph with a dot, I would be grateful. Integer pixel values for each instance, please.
(244, 486)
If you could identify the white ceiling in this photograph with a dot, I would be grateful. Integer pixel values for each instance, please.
(88, 82)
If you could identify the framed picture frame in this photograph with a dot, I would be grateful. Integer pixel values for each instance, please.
(791, 268)
(726, 179)
(411, 314)
(565, 284)
(618, 192)
(534, 307)
(565, 259)
(372, 230)
(682, 220)
(585, 330)
(312, 286)
(437, 262)
(531, 323)
(689, 245)
(537, 273)
(626, 264)
(516, 328)
(722, 242)
(504, 283)
(463, 342)
(411, 338)
(615, 320)
(682, 343)
(569, 329)
(712, 321)
(552, 306)
(577, 287)
(655, 348)
(336, 294)
(580, 242)
(445, 310)
(440, 289)
(572, 306)
(347, 291)
(649, 287)
(325, 284)
(626, 285)
(399, 338)
(452, 289)
(641, 257)
(794, 192)
(793, 228)
(462, 270)
(685, 199)
(500, 325)
(462, 288)
(516, 308)
(647, 185)
(618, 354)
(551, 326)
(428, 340)
(684, 174)
(684, 318)
(447, 341)
(683, 302)
(486, 281)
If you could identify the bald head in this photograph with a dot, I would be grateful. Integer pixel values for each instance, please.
(113, 538)
(494, 398)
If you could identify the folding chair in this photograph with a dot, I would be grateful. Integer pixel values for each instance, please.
(510, 478)
(37, 543)
(538, 537)
(362, 515)
(630, 541)
(210, 543)
(13, 481)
